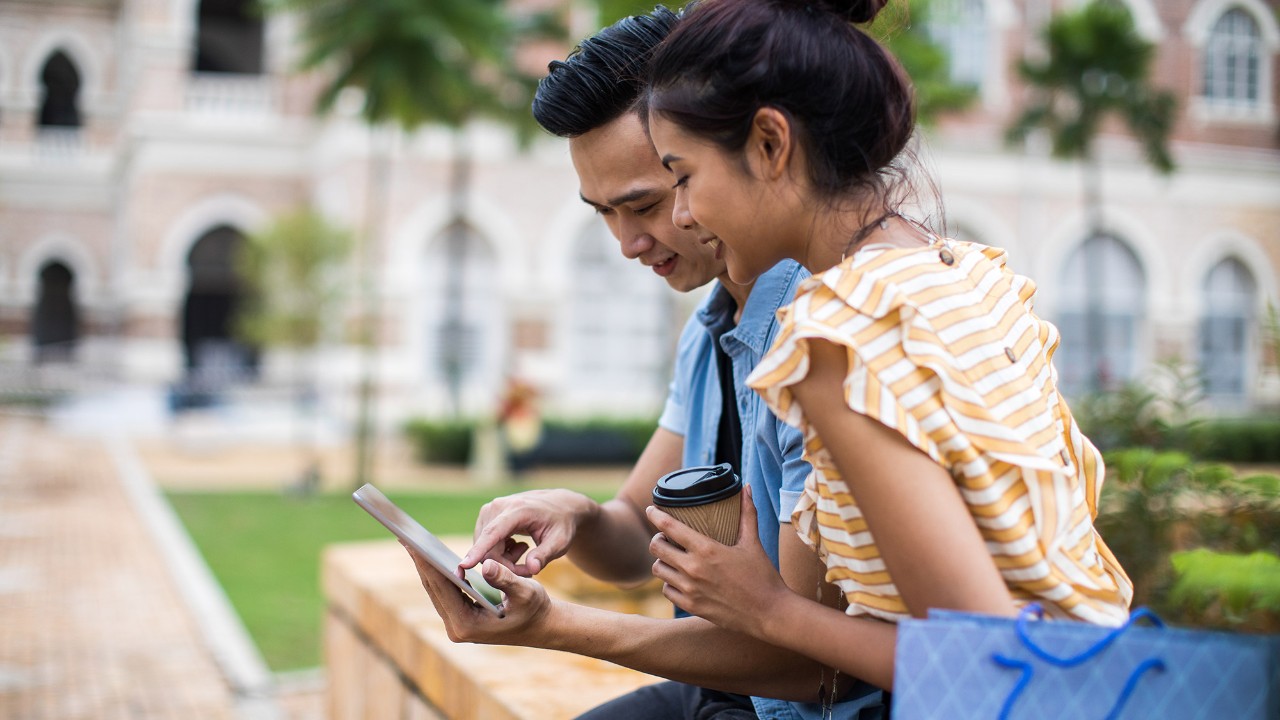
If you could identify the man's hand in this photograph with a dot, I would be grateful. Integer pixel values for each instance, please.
(525, 605)
(550, 517)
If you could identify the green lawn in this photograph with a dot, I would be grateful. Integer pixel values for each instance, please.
(265, 548)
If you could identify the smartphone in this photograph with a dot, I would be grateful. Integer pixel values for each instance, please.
(428, 546)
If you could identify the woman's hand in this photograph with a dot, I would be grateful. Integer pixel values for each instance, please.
(734, 587)
(525, 605)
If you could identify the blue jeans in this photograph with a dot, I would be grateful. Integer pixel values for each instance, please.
(674, 701)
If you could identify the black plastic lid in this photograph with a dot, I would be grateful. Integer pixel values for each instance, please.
(696, 486)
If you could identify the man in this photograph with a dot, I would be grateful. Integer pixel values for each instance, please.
(709, 417)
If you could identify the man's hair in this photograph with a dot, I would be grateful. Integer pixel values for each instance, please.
(603, 77)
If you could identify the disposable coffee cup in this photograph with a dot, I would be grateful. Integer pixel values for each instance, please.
(705, 498)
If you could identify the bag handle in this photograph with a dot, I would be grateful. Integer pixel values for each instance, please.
(1020, 628)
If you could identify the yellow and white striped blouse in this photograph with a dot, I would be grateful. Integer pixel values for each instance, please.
(951, 355)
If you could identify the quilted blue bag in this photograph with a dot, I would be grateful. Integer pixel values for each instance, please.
(961, 666)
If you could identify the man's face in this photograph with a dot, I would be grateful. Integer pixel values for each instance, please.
(620, 175)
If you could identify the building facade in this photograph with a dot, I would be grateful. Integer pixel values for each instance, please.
(142, 140)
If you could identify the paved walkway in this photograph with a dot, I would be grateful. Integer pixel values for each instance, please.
(93, 623)
(106, 609)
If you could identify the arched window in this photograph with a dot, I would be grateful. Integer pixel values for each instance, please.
(1225, 328)
(229, 38)
(214, 356)
(465, 318)
(620, 329)
(60, 83)
(1233, 54)
(959, 27)
(55, 325)
(1102, 316)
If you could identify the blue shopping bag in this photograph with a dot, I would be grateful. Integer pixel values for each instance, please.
(961, 666)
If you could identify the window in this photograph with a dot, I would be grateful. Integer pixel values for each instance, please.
(1225, 328)
(55, 326)
(465, 319)
(621, 329)
(229, 39)
(60, 83)
(1232, 60)
(959, 27)
(1101, 317)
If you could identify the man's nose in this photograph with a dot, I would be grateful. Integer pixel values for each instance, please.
(634, 241)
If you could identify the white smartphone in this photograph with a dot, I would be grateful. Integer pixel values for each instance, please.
(428, 546)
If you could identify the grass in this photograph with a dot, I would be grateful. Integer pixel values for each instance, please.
(264, 548)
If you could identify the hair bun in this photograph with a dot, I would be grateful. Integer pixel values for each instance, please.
(857, 11)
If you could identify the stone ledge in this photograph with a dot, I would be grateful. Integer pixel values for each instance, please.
(387, 654)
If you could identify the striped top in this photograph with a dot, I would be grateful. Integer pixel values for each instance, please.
(951, 356)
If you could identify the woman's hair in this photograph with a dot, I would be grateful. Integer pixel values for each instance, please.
(603, 77)
(848, 99)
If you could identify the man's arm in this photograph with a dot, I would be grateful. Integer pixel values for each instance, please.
(609, 541)
(690, 649)
(613, 543)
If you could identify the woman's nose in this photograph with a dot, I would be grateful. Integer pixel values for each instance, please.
(680, 215)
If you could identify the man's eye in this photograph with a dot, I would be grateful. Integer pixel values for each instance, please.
(645, 209)
(603, 210)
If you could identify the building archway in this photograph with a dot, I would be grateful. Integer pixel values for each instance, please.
(618, 335)
(55, 322)
(60, 87)
(1102, 316)
(212, 355)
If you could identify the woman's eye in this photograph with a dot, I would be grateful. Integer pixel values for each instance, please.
(681, 182)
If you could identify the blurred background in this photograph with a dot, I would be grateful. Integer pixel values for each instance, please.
(281, 248)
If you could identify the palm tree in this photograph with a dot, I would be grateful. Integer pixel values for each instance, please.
(1097, 67)
(415, 62)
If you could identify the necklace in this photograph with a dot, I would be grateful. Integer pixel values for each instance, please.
(864, 231)
(827, 696)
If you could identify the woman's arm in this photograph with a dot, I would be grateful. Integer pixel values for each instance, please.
(923, 529)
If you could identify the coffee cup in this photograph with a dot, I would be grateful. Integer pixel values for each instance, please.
(706, 498)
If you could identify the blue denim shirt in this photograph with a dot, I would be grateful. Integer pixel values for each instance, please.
(772, 461)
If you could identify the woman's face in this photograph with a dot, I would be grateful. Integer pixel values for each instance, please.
(719, 200)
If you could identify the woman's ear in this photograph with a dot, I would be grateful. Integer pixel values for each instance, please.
(770, 143)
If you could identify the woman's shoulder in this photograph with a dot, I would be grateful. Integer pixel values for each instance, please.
(878, 278)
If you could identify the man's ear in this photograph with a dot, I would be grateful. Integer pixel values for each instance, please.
(771, 143)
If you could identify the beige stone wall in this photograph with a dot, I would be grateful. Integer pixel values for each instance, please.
(387, 654)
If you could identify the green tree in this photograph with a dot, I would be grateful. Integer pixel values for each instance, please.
(293, 273)
(902, 27)
(1097, 67)
(414, 63)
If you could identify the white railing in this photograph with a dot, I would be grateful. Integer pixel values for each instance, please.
(230, 95)
(58, 143)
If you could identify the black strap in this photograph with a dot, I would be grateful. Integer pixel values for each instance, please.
(729, 434)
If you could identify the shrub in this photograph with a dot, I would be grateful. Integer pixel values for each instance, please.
(590, 441)
(1241, 440)
(441, 441)
(1227, 590)
(1156, 506)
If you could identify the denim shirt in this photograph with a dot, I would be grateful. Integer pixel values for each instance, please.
(772, 461)
(771, 450)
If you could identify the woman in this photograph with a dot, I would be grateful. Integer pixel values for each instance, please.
(948, 471)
